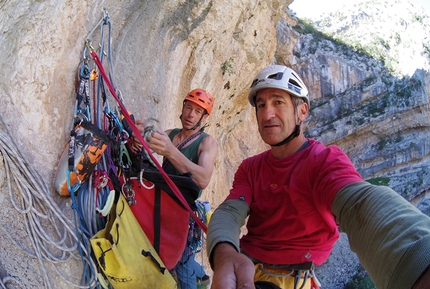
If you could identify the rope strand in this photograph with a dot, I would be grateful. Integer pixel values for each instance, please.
(31, 198)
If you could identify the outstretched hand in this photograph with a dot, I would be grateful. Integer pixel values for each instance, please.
(233, 270)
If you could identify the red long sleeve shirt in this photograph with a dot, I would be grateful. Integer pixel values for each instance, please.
(290, 199)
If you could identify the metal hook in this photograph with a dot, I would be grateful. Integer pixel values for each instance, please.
(124, 152)
(129, 194)
(106, 18)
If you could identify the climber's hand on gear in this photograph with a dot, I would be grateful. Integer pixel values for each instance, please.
(232, 269)
(159, 142)
(140, 124)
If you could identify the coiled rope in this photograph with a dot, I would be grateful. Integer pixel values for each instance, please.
(30, 196)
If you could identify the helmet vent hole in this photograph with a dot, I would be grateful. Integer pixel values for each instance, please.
(295, 83)
(277, 76)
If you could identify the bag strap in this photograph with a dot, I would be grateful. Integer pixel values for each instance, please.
(140, 138)
(157, 217)
(182, 144)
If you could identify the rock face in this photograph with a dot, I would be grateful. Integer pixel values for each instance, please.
(370, 96)
(379, 114)
(161, 50)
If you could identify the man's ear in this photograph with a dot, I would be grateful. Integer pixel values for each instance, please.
(205, 117)
(303, 110)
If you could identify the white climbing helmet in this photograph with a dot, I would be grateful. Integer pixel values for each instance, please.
(281, 77)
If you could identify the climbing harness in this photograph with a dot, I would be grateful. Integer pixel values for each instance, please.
(86, 146)
(195, 235)
(295, 276)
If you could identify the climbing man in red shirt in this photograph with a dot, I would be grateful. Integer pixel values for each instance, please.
(295, 196)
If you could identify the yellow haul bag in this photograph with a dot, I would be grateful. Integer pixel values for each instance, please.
(125, 254)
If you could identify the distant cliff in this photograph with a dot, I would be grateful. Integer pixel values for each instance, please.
(368, 72)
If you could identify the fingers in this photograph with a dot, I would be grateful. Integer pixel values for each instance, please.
(162, 133)
(234, 277)
(157, 142)
(149, 136)
(140, 124)
(232, 269)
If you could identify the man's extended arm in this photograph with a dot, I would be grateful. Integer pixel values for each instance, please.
(390, 236)
(231, 268)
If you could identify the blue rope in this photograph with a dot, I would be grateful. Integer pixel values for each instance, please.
(88, 270)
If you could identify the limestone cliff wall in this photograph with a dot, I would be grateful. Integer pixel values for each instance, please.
(163, 49)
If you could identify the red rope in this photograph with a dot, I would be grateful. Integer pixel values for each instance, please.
(138, 134)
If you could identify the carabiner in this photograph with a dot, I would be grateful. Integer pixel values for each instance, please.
(112, 116)
(124, 152)
(128, 192)
(85, 71)
(73, 189)
(94, 75)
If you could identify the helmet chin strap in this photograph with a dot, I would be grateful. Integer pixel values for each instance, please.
(294, 134)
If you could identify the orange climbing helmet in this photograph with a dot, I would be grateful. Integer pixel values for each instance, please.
(202, 98)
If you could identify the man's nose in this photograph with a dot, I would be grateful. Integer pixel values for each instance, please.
(267, 113)
(191, 113)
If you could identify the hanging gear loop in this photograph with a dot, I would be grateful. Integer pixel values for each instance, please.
(104, 20)
(140, 138)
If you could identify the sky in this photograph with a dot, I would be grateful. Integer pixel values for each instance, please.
(301, 7)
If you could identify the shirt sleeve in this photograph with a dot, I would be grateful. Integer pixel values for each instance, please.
(242, 186)
(390, 236)
(331, 169)
(225, 225)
